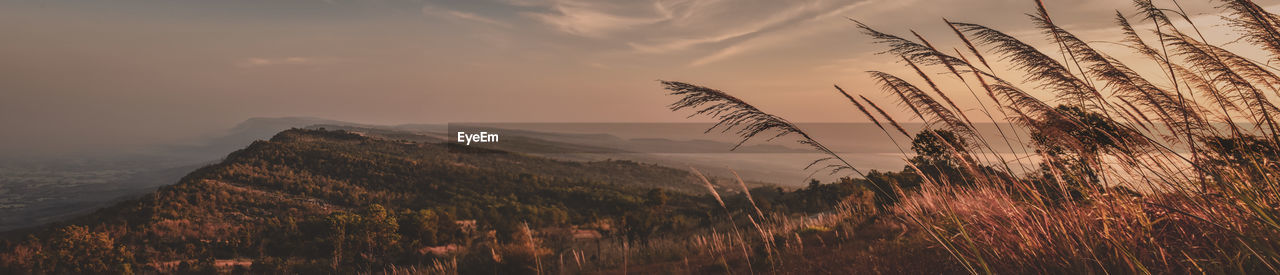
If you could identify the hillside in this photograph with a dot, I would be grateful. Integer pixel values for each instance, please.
(277, 198)
(335, 201)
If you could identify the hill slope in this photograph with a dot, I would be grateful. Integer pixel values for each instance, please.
(283, 198)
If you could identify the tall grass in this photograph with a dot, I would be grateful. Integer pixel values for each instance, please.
(1194, 126)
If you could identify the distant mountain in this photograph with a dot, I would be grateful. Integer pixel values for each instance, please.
(757, 163)
(612, 143)
(663, 145)
(242, 134)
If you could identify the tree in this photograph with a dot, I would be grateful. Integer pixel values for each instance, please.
(1075, 146)
(426, 228)
(656, 198)
(76, 250)
(939, 154)
(363, 238)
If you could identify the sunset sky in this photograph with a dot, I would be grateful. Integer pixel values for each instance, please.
(84, 74)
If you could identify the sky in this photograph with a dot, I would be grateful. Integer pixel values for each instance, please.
(85, 75)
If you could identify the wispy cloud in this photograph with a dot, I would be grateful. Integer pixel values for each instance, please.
(819, 23)
(594, 19)
(254, 62)
(678, 44)
(431, 10)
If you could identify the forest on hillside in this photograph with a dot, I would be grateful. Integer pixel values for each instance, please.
(317, 201)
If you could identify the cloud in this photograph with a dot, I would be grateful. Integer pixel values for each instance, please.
(665, 26)
(701, 32)
(594, 19)
(478, 18)
(430, 10)
(817, 24)
(740, 31)
(254, 62)
(898, 16)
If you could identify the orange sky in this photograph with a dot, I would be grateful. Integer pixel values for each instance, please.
(85, 74)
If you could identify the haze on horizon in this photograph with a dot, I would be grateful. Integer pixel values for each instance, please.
(85, 75)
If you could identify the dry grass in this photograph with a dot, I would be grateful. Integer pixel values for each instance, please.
(1197, 133)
